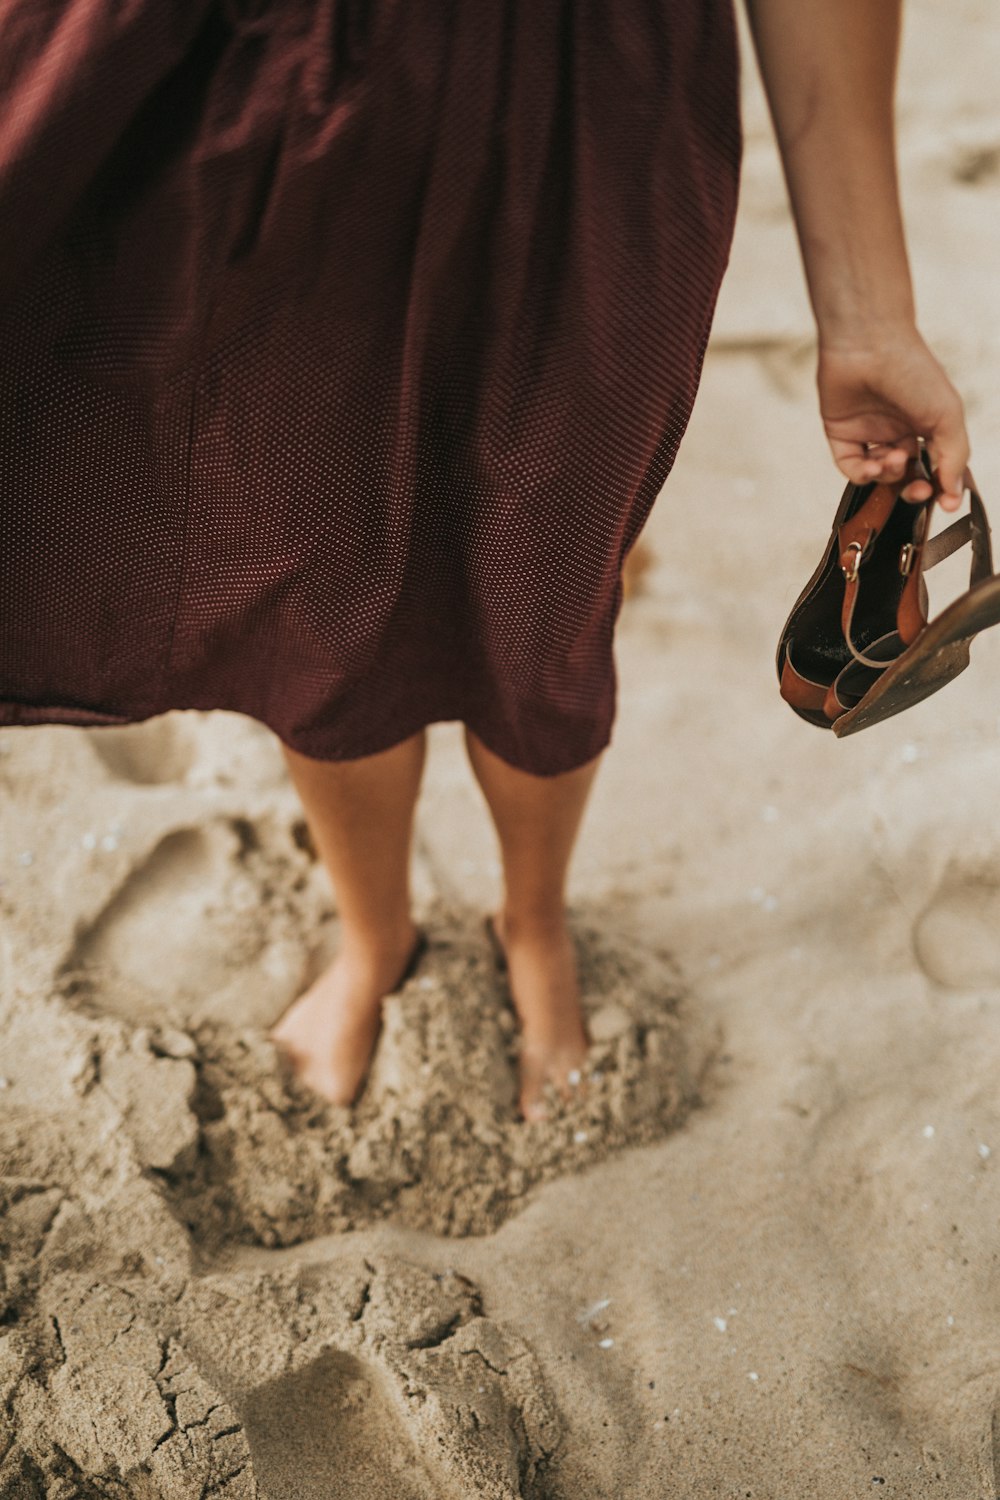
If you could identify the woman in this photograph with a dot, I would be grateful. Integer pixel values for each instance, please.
(347, 347)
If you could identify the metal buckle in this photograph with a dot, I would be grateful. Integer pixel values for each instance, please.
(906, 558)
(850, 571)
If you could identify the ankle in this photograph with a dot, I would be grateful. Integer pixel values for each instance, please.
(372, 944)
(525, 923)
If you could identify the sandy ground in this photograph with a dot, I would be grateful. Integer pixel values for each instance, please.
(761, 1259)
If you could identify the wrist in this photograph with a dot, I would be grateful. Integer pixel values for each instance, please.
(857, 300)
(871, 333)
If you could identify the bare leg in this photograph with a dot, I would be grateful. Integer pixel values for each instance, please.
(360, 813)
(537, 819)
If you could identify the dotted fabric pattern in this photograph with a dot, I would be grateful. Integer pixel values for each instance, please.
(346, 346)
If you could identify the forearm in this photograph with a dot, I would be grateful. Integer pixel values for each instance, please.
(829, 71)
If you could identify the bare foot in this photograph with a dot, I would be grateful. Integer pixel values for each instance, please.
(543, 983)
(329, 1032)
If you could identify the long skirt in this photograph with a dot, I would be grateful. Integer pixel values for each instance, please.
(346, 346)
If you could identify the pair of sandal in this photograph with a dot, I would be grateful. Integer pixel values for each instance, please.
(858, 646)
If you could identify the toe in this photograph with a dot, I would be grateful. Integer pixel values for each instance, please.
(533, 1108)
(532, 1101)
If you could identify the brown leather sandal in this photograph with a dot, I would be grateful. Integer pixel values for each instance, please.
(848, 659)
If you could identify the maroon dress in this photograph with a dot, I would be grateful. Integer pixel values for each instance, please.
(345, 346)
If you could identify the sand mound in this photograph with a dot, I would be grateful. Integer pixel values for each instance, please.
(436, 1141)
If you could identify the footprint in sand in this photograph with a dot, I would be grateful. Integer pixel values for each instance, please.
(204, 926)
(146, 754)
(343, 1414)
(976, 162)
(956, 938)
(392, 1382)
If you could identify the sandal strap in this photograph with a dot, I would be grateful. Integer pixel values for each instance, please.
(937, 548)
(916, 557)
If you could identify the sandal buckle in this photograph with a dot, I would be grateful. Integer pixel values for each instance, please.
(906, 558)
(850, 570)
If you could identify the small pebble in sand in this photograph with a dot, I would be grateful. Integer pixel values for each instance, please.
(753, 1375)
(910, 753)
(983, 1150)
(579, 1137)
(426, 983)
(720, 1324)
(596, 1075)
(756, 894)
(89, 841)
(769, 814)
(769, 903)
(25, 857)
(928, 1131)
(109, 842)
(877, 1479)
(573, 1077)
(4, 1083)
(605, 1343)
(950, 1321)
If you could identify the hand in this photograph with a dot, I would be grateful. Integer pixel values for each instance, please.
(878, 400)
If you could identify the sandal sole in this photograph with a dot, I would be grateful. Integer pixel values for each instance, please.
(940, 654)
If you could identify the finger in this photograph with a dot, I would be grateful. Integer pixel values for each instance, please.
(949, 450)
(916, 487)
(891, 458)
(852, 460)
(876, 463)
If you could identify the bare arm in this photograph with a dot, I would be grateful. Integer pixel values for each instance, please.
(829, 71)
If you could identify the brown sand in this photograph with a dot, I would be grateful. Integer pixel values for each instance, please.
(760, 1258)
